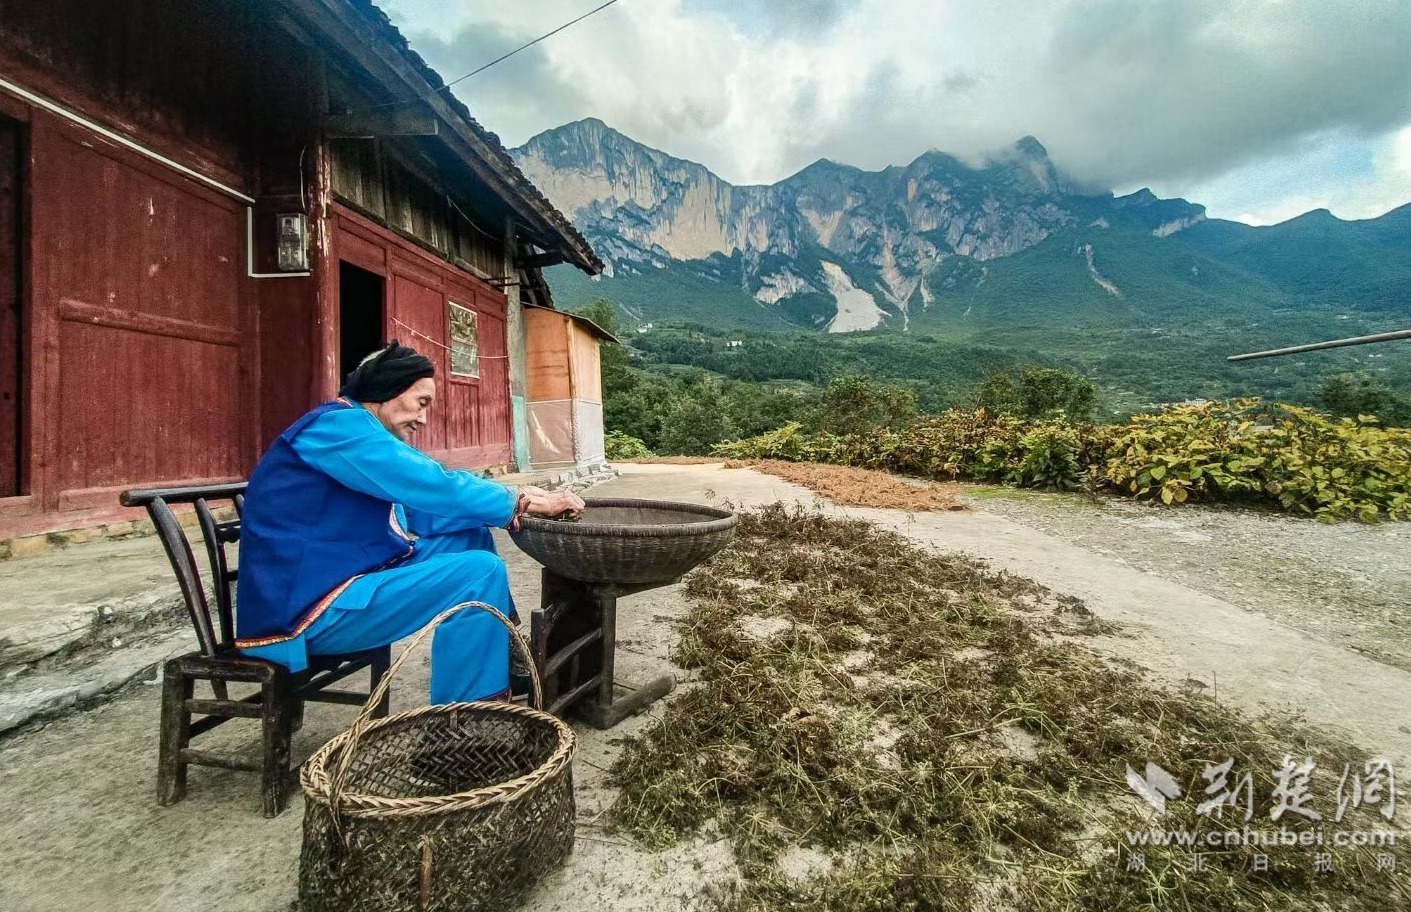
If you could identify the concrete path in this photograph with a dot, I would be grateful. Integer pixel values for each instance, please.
(82, 829)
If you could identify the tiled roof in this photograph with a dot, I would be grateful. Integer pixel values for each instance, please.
(575, 243)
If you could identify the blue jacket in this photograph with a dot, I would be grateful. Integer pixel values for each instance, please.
(325, 506)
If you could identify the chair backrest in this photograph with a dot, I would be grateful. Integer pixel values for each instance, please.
(218, 636)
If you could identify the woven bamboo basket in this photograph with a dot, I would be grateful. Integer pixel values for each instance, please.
(620, 540)
(462, 806)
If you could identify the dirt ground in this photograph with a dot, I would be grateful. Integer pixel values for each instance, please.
(82, 829)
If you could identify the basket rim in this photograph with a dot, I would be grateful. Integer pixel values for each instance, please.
(315, 782)
(720, 521)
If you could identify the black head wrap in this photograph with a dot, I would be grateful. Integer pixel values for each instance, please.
(386, 374)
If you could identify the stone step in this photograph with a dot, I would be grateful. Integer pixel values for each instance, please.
(48, 694)
(58, 604)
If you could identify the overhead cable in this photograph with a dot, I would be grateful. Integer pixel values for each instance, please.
(529, 45)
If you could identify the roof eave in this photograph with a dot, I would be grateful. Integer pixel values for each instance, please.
(349, 24)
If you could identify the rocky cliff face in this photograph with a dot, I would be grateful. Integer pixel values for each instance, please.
(822, 242)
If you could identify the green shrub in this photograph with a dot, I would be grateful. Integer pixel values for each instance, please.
(1050, 457)
(789, 443)
(1244, 450)
(624, 446)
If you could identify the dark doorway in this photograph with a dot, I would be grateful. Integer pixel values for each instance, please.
(360, 315)
(11, 299)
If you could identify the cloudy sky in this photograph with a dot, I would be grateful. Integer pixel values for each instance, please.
(1259, 109)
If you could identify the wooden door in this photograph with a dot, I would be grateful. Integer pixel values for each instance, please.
(11, 361)
(149, 350)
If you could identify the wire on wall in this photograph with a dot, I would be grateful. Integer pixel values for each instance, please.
(438, 343)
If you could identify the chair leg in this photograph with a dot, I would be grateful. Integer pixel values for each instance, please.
(177, 688)
(379, 666)
(277, 718)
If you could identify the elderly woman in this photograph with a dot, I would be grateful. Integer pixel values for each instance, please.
(352, 538)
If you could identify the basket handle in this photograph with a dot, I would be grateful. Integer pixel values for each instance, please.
(364, 719)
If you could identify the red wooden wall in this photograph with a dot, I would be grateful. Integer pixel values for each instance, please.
(138, 282)
(470, 426)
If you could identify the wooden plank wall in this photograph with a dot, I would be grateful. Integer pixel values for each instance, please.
(470, 425)
(138, 295)
(587, 373)
(546, 340)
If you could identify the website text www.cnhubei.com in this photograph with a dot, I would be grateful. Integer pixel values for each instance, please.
(1249, 836)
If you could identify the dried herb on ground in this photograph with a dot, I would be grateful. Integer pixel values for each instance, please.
(854, 487)
(674, 460)
(940, 735)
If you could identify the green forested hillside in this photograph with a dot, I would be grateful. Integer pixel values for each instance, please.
(1152, 320)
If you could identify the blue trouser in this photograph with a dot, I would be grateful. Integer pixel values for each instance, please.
(469, 652)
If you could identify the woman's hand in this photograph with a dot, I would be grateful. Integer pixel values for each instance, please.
(539, 502)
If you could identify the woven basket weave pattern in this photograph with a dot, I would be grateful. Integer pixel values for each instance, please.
(481, 858)
(628, 541)
(461, 807)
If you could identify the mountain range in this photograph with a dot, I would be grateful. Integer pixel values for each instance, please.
(1004, 251)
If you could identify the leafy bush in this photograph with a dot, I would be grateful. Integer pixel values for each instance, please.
(1049, 457)
(1244, 450)
(789, 443)
(1038, 393)
(625, 446)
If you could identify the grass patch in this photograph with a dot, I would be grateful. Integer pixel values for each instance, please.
(854, 487)
(943, 737)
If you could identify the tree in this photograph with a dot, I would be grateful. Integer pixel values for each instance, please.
(1038, 393)
(1353, 394)
(695, 419)
(859, 404)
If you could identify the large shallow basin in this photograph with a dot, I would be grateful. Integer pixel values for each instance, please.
(627, 541)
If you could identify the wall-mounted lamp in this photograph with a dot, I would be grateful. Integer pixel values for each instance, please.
(292, 241)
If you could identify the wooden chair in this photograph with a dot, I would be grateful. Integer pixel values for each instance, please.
(279, 702)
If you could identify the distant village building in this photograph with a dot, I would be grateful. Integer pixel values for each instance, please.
(210, 211)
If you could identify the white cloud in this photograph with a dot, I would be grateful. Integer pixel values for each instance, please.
(1172, 93)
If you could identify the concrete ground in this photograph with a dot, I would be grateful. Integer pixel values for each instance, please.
(82, 829)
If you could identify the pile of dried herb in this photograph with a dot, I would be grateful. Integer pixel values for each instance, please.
(939, 736)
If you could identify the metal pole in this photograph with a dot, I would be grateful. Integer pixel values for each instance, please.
(1318, 346)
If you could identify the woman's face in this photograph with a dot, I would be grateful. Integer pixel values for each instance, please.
(406, 414)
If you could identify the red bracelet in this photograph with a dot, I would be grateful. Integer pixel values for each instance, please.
(521, 506)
